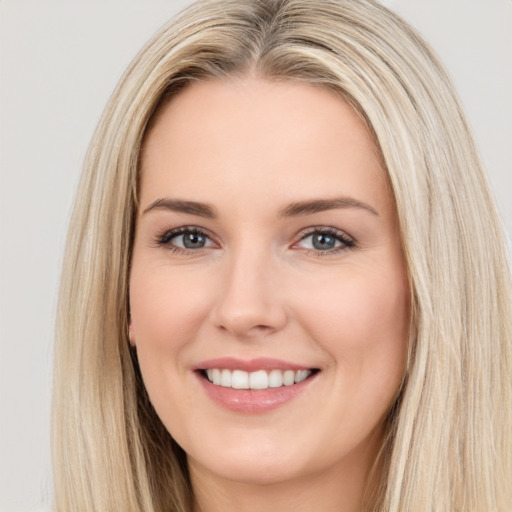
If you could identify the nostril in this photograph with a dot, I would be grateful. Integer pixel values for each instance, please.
(244, 327)
(246, 307)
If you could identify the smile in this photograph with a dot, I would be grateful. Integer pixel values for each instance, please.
(254, 386)
(260, 379)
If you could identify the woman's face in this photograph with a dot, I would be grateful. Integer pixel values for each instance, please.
(267, 252)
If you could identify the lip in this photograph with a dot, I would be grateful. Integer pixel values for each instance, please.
(251, 401)
(250, 365)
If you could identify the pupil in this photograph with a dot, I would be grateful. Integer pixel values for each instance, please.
(323, 242)
(193, 240)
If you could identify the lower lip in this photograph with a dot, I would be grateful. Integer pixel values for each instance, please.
(253, 400)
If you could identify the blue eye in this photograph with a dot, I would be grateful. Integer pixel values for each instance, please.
(323, 242)
(326, 240)
(192, 240)
(185, 238)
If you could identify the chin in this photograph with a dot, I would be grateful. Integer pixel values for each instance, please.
(251, 472)
(256, 463)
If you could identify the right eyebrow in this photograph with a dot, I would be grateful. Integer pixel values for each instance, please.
(181, 206)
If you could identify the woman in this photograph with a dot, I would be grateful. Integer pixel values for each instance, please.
(286, 284)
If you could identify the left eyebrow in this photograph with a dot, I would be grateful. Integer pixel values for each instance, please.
(320, 205)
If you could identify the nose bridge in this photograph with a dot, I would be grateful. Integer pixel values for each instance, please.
(249, 302)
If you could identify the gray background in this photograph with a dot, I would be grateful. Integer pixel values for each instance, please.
(59, 61)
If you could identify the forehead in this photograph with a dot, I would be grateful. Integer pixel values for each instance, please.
(225, 138)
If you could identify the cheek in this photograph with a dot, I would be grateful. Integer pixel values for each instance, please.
(166, 312)
(166, 307)
(362, 321)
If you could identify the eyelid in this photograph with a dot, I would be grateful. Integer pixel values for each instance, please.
(164, 237)
(346, 241)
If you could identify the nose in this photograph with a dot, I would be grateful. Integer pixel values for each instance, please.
(249, 301)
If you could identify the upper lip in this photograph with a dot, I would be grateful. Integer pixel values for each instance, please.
(249, 365)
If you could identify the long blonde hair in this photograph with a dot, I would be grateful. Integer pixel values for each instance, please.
(450, 434)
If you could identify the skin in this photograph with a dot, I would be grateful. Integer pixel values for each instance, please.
(259, 288)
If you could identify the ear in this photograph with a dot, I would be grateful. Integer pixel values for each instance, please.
(130, 334)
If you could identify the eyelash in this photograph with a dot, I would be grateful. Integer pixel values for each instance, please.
(164, 239)
(346, 242)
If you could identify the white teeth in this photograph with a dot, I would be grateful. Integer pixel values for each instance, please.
(225, 378)
(301, 375)
(239, 379)
(275, 379)
(258, 380)
(261, 379)
(216, 376)
(288, 377)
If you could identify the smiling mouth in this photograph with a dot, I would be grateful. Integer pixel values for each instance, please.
(257, 380)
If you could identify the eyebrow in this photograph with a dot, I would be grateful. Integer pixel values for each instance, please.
(321, 205)
(181, 206)
(296, 209)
